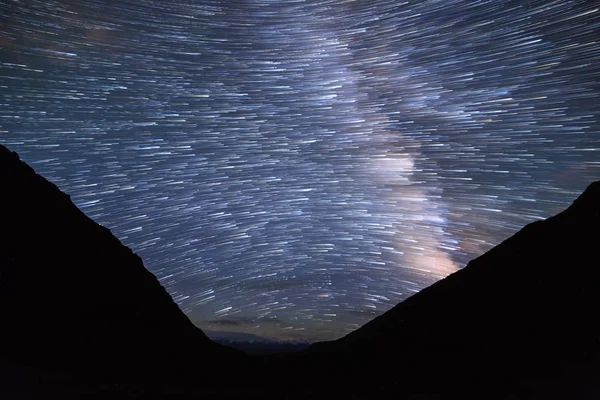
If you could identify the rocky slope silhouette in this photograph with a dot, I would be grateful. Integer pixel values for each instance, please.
(76, 302)
(82, 316)
(518, 322)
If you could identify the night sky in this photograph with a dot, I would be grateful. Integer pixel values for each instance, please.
(291, 169)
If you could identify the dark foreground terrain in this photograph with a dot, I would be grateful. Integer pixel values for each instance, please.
(81, 316)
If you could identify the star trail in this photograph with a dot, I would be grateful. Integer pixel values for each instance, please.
(292, 169)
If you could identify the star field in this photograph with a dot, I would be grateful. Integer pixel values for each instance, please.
(293, 168)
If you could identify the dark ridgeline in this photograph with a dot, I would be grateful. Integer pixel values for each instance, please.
(80, 314)
(521, 321)
(77, 305)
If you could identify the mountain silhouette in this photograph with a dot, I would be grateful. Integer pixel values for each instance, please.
(74, 300)
(80, 315)
(519, 321)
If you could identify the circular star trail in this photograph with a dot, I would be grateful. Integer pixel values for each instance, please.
(291, 169)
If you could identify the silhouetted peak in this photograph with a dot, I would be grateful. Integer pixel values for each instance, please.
(588, 202)
(67, 284)
(521, 312)
(543, 276)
